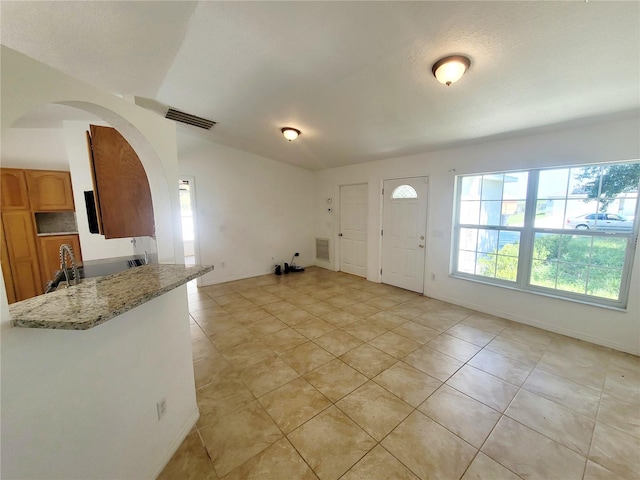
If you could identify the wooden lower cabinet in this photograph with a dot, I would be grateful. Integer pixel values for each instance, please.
(19, 235)
(50, 253)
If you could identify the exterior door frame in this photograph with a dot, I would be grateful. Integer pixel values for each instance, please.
(381, 225)
(194, 211)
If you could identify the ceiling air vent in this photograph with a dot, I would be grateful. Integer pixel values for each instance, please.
(178, 116)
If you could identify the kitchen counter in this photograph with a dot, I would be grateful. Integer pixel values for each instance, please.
(95, 301)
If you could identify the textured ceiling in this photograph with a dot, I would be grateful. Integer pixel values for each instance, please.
(355, 77)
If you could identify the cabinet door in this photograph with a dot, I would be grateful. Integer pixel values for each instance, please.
(14, 190)
(50, 253)
(23, 254)
(6, 267)
(121, 186)
(50, 190)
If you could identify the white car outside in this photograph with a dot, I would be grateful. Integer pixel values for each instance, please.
(601, 221)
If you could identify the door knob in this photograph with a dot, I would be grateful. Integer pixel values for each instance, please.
(421, 246)
(339, 234)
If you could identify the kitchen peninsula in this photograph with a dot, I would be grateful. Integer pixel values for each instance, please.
(95, 301)
(89, 371)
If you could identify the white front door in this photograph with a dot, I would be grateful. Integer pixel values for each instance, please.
(404, 226)
(353, 229)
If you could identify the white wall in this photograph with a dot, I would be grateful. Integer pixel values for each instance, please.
(34, 148)
(611, 141)
(248, 210)
(82, 404)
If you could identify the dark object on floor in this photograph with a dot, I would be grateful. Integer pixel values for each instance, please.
(293, 267)
(286, 268)
(278, 270)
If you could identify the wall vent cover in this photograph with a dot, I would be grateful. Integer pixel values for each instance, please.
(178, 116)
(322, 249)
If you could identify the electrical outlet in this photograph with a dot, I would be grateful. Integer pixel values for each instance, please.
(161, 406)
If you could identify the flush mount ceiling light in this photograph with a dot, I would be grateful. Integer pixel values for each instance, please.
(450, 69)
(290, 133)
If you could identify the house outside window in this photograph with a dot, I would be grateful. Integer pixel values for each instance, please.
(568, 232)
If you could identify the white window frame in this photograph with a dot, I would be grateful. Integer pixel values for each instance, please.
(527, 236)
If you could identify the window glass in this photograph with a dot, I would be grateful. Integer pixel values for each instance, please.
(404, 191)
(582, 229)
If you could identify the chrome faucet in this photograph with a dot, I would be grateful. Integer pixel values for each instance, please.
(67, 252)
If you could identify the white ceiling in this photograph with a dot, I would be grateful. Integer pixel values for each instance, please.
(355, 77)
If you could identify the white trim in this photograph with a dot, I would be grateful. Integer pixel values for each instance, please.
(177, 441)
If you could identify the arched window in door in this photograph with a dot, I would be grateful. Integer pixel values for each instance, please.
(404, 191)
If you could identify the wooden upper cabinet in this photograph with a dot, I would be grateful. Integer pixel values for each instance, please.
(50, 190)
(14, 193)
(123, 196)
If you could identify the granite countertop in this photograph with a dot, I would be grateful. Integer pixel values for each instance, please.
(94, 301)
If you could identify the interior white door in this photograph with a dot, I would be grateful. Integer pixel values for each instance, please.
(353, 229)
(404, 225)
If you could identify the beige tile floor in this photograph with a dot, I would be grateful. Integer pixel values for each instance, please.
(325, 375)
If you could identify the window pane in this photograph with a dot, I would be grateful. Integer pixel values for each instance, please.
(544, 273)
(513, 213)
(507, 268)
(515, 186)
(575, 249)
(553, 183)
(486, 265)
(550, 213)
(467, 262)
(470, 212)
(604, 282)
(468, 239)
(490, 212)
(492, 187)
(545, 246)
(572, 277)
(488, 241)
(470, 188)
(608, 252)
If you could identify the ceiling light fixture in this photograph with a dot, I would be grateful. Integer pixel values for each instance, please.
(450, 69)
(290, 133)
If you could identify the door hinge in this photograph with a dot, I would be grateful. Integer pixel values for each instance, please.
(381, 233)
(383, 191)
(380, 271)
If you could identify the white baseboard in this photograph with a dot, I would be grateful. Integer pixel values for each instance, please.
(543, 325)
(177, 441)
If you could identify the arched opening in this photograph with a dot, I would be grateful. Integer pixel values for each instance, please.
(51, 137)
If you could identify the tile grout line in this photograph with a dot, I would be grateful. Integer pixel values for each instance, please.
(503, 414)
